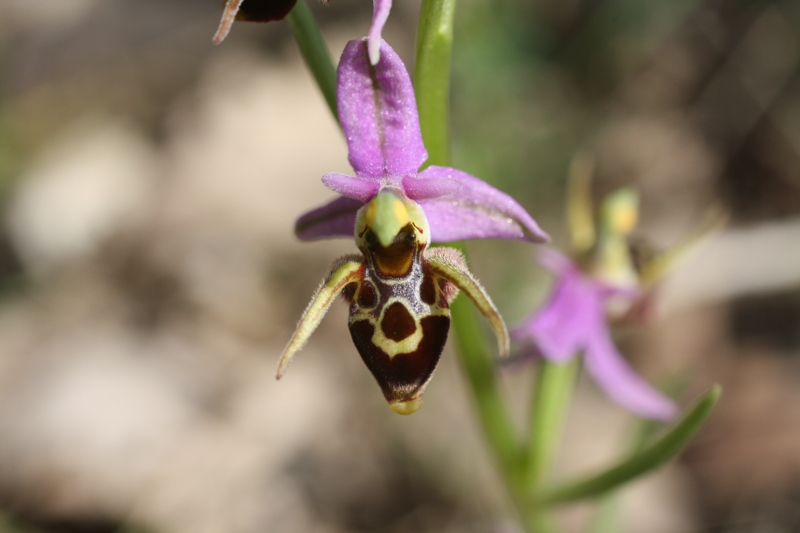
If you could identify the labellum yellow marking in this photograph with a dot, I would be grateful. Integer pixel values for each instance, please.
(345, 270)
(410, 343)
(449, 264)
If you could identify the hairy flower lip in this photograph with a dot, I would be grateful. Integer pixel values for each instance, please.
(378, 113)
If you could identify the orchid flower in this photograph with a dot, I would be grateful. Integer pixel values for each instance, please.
(268, 10)
(574, 319)
(399, 290)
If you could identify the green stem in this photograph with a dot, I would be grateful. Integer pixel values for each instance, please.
(481, 374)
(432, 76)
(315, 51)
(549, 403)
(432, 85)
(554, 387)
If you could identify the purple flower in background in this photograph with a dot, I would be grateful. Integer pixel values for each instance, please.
(574, 320)
(268, 10)
(378, 114)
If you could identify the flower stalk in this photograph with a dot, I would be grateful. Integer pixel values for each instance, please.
(432, 76)
(550, 400)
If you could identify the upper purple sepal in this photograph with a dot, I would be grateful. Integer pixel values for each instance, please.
(378, 113)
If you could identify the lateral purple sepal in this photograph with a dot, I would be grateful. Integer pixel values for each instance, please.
(378, 113)
(476, 211)
(334, 219)
(573, 320)
(610, 370)
(362, 189)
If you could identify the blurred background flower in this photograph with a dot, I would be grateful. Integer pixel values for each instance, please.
(149, 276)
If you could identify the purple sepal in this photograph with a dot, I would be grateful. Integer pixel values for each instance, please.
(362, 189)
(610, 370)
(573, 320)
(378, 113)
(476, 211)
(334, 219)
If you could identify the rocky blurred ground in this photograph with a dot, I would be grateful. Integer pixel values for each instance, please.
(149, 276)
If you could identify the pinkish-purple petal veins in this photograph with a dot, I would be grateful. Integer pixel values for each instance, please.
(380, 12)
(378, 113)
(476, 211)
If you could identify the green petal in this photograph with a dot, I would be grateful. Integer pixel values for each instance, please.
(450, 264)
(344, 270)
(642, 462)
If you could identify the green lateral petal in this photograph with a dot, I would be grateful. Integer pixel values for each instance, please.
(451, 265)
(344, 270)
(642, 462)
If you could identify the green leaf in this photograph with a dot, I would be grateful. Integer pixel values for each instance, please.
(646, 460)
(315, 52)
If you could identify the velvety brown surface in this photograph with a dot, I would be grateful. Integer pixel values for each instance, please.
(397, 323)
(264, 10)
(403, 376)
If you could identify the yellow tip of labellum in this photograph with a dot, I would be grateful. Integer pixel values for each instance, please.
(406, 408)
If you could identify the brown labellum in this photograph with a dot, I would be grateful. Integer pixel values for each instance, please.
(399, 294)
(402, 335)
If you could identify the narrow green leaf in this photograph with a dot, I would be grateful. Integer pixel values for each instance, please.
(642, 462)
(315, 52)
